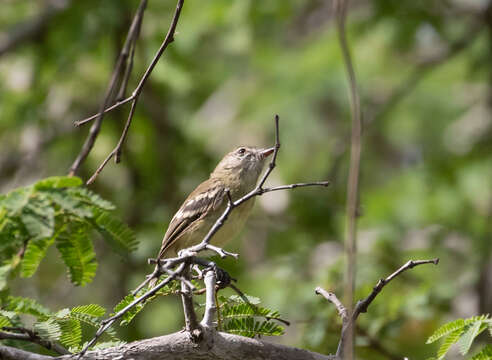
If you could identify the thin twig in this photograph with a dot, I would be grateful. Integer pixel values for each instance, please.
(362, 305)
(116, 152)
(24, 334)
(121, 65)
(353, 179)
(191, 323)
(105, 324)
(331, 297)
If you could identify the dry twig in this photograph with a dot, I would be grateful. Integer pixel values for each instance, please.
(24, 334)
(116, 152)
(348, 317)
(123, 64)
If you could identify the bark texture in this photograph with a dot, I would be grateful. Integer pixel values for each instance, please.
(213, 345)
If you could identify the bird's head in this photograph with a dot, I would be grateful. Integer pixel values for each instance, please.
(244, 163)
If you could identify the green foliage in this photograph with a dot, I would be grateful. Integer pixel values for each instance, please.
(461, 332)
(484, 354)
(239, 316)
(64, 326)
(130, 314)
(57, 210)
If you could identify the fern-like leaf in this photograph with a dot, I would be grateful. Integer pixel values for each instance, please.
(71, 332)
(35, 252)
(90, 198)
(115, 232)
(484, 354)
(91, 309)
(468, 336)
(49, 329)
(22, 305)
(247, 310)
(58, 182)
(453, 326)
(39, 218)
(78, 254)
(448, 342)
(249, 327)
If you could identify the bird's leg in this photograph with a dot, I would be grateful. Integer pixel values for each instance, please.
(222, 276)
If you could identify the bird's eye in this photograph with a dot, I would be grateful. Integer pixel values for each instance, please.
(241, 151)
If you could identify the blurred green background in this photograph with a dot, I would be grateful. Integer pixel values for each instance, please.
(425, 80)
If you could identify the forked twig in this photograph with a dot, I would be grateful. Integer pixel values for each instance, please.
(349, 318)
(124, 63)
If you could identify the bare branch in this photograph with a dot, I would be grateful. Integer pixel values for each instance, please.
(353, 180)
(122, 64)
(331, 297)
(105, 324)
(210, 305)
(362, 305)
(116, 152)
(191, 323)
(10, 353)
(24, 334)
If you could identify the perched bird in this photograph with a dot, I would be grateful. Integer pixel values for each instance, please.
(238, 171)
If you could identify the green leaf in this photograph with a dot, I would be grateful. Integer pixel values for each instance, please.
(49, 329)
(69, 203)
(249, 327)
(91, 309)
(57, 182)
(130, 314)
(6, 317)
(22, 305)
(39, 218)
(115, 232)
(16, 200)
(71, 333)
(450, 340)
(4, 273)
(35, 252)
(93, 322)
(251, 299)
(467, 338)
(247, 310)
(77, 252)
(90, 198)
(446, 329)
(484, 354)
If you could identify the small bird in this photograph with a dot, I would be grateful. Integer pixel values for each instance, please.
(237, 172)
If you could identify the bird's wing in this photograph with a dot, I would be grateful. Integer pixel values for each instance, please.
(206, 197)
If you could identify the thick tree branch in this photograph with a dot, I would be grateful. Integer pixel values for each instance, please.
(213, 346)
(10, 353)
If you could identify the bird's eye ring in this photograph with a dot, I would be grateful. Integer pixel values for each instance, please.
(241, 151)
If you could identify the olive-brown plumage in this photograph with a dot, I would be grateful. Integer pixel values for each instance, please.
(238, 171)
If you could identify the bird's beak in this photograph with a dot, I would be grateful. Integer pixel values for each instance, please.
(266, 152)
